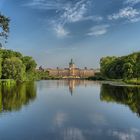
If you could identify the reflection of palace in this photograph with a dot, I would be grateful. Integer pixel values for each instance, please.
(75, 83)
(71, 72)
(72, 84)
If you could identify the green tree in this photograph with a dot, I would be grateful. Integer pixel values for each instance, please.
(13, 68)
(105, 64)
(125, 67)
(4, 25)
(30, 63)
(128, 69)
(137, 67)
(10, 53)
(0, 66)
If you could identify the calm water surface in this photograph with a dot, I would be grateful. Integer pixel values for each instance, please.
(69, 110)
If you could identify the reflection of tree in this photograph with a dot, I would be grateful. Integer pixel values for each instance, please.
(124, 95)
(13, 97)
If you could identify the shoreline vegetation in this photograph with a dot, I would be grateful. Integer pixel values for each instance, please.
(124, 69)
(16, 68)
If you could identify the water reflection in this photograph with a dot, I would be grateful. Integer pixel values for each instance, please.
(13, 97)
(55, 115)
(129, 96)
(72, 84)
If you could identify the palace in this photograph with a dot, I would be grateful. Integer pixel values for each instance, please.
(71, 72)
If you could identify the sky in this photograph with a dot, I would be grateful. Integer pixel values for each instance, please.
(54, 31)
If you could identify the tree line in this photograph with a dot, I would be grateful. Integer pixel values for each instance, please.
(13, 65)
(125, 67)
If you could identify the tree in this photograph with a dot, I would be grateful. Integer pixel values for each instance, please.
(128, 68)
(10, 53)
(125, 67)
(137, 67)
(4, 25)
(0, 66)
(29, 63)
(105, 64)
(13, 68)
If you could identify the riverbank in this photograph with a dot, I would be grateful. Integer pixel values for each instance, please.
(116, 82)
(132, 82)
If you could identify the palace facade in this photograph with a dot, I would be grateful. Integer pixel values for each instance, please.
(71, 72)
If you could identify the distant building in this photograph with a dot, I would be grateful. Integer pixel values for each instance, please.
(71, 72)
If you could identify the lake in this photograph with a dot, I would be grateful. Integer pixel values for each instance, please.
(69, 110)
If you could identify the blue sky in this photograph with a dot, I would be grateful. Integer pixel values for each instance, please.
(54, 31)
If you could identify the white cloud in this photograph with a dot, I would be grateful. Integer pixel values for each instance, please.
(126, 13)
(93, 18)
(66, 13)
(70, 12)
(133, 2)
(74, 13)
(60, 31)
(98, 30)
(44, 5)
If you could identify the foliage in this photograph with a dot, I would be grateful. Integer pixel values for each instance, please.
(42, 75)
(0, 66)
(97, 76)
(29, 63)
(13, 65)
(125, 67)
(13, 68)
(10, 53)
(4, 25)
